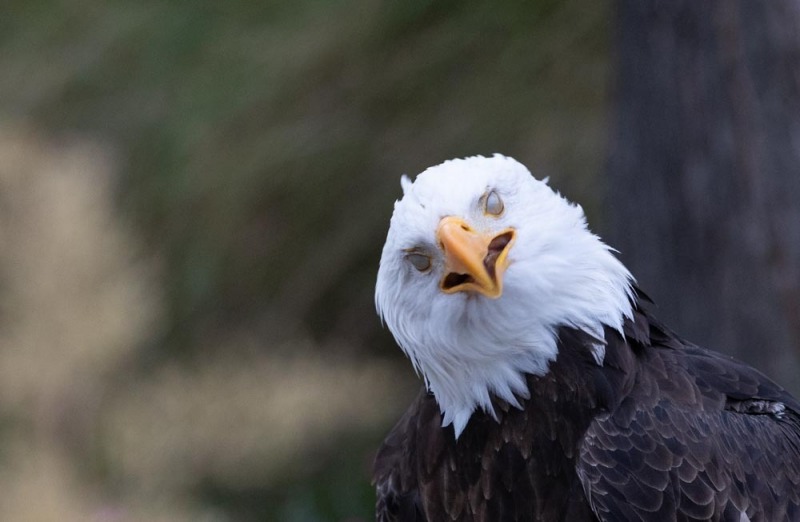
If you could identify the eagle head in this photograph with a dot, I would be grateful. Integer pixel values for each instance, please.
(482, 264)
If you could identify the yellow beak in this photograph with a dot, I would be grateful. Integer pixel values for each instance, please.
(473, 261)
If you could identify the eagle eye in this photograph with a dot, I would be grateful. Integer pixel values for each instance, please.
(419, 260)
(493, 204)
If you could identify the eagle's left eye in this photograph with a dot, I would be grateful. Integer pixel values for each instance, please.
(418, 260)
(493, 204)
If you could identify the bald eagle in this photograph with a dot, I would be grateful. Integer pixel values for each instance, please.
(551, 390)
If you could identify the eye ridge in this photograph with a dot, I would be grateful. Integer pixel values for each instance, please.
(493, 203)
(419, 260)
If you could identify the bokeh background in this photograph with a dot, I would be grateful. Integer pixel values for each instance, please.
(194, 195)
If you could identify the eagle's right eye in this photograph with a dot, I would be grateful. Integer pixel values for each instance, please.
(418, 260)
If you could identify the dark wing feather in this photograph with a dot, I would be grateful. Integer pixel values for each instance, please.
(700, 437)
(712, 470)
(662, 431)
(395, 481)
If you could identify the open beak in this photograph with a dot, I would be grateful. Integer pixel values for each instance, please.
(473, 261)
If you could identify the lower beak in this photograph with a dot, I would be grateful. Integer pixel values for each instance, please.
(473, 261)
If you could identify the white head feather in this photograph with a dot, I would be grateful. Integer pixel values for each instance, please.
(466, 345)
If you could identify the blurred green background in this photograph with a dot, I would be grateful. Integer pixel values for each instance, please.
(193, 198)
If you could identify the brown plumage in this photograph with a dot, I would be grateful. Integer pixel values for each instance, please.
(663, 430)
(554, 393)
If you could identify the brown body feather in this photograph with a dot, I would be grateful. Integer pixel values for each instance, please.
(664, 430)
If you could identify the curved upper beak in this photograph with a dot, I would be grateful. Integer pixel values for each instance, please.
(473, 261)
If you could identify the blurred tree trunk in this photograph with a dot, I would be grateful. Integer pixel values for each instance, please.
(704, 171)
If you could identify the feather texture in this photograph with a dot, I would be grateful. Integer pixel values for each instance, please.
(563, 398)
(469, 348)
(665, 430)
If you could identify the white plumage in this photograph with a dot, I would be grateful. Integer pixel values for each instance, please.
(467, 345)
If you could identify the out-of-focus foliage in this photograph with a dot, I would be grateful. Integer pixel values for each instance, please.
(194, 196)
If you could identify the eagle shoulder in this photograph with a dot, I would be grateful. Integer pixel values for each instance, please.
(700, 436)
(393, 475)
